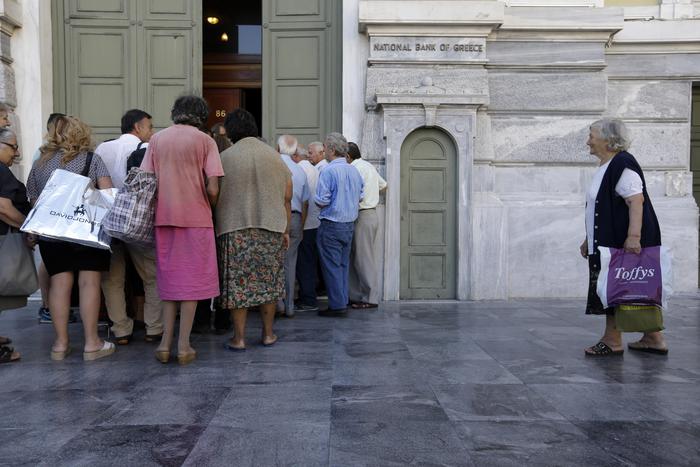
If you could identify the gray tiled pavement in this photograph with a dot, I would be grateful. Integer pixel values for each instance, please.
(476, 383)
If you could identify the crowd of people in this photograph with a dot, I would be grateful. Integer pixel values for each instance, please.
(236, 221)
(251, 226)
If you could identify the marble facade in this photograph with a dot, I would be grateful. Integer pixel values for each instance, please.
(519, 115)
(517, 112)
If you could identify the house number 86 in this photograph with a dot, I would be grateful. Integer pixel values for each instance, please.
(220, 113)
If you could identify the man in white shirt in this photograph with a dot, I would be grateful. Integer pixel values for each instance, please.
(316, 155)
(364, 278)
(136, 127)
(308, 251)
(287, 146)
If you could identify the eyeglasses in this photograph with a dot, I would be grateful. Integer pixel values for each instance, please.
(13, 146)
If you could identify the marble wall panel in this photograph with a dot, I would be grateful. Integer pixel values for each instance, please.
(436, 79)
(538, 179)
(666, 66)
(678, 218)
(373, 144)
(488, 277)
(649, 99)
(548, 139)
(483, 141)
(661, 145)
(542, 53)
(5, 45)
(483, 178)
(8, 94)
(544, 236)
(547, 91)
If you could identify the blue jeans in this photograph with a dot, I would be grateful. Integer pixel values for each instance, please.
(334, 240)
(306, 268)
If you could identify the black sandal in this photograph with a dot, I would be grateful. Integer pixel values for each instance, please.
(6, 354)
(124, 340)
(601, 349)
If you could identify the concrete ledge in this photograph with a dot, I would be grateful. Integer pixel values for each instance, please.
(440, 13)
(564, 18)
(10, 13)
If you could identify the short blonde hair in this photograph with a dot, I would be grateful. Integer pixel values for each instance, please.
(614, 132)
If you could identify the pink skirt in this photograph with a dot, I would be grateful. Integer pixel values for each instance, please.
(186, 268)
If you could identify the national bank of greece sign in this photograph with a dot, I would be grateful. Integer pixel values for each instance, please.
(427, 49)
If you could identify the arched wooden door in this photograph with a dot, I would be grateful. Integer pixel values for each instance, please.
(428, 216)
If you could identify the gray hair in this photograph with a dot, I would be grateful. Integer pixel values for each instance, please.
(316, 144)
(614, 132)
(303, 153)
(5, 108)
(287, 144)
(6, 134)
(337, 143)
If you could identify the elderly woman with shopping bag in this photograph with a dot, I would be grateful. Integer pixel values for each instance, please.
(69, 147)
(619, 214)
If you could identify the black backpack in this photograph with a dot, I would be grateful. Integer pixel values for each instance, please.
(136, 157)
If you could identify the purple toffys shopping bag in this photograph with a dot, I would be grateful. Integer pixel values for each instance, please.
(630, 278)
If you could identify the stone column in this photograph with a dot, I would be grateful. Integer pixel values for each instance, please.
(10, 18)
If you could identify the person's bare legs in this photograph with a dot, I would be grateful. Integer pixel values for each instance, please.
(239, 316)
(654, 340)
(89, 286)
(187, 311)
(44, 285)
(169, 313)
(267, 312)
(59, 297)
(611, 337)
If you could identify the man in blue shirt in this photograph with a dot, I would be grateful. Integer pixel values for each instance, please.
(287, 146)
(338, 193)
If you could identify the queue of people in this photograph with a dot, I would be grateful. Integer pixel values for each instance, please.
(248, 226)
(235, 220)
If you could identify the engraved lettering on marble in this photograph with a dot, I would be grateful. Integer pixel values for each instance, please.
(416, 48)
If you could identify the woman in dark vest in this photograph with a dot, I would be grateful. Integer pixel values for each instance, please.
(619, 214)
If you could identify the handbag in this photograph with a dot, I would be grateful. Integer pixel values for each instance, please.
(132, 216)
(71, 210)
(18, 275)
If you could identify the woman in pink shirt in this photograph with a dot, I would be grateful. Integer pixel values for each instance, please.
(187, 164)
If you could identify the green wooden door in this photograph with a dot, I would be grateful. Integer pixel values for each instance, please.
(302, 55)
(428, 216)
(114, 55)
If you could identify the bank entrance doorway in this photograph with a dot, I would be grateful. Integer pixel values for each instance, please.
(278, 59)
(428, 216)
(232, 58)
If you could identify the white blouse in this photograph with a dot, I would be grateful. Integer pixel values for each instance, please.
(630, 184)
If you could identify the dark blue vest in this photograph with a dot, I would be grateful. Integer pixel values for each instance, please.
(612, 213)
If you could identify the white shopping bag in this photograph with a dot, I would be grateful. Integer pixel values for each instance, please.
(71, 209)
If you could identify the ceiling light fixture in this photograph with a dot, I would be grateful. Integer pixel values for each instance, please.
(213, 20)
(224, 37)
